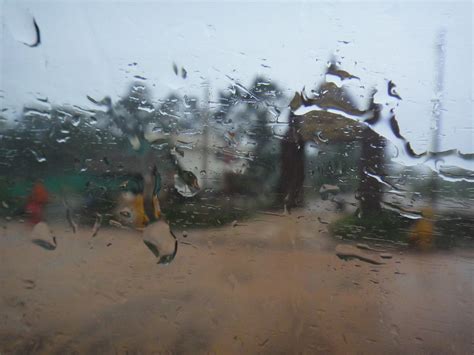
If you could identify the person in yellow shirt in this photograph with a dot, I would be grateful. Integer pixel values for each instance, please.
(131, 203)
(422, 233)
(141, 219)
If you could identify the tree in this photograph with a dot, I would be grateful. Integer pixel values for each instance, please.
(247, 113)
(292, 165)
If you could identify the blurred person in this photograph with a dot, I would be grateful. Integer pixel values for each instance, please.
(422, 233)
(36, 203)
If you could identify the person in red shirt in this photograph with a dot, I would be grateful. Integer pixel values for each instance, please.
(36, 203)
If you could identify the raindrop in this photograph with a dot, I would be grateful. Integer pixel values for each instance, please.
(62, 140)
(40, 158)
(320, 137)
(391, 90)
(43, 100)
(367, 247)
(22, 25)
(186, 183)
(69, 218)
(115, 223)
(148, 109)
(347, 252)
(410, 214)
(394, 330)
(29, 284)
(327, 190)
(33, 112)
(125, 213)
(75, 120)
(321, 221)
(43, 236)
(45, 244)
(97, 224)
(160, 241)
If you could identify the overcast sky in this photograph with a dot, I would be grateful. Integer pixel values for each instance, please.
(86, 49)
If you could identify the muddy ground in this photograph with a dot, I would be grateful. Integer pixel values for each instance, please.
(270, 285)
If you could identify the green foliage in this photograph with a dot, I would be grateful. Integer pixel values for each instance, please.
(449, 230)
(386, 225)
(454, 230)
(216, 210)
(336, 165)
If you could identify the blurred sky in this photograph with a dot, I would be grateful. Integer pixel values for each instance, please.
(86, 48)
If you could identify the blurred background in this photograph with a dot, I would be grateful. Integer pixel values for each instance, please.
(344, 129)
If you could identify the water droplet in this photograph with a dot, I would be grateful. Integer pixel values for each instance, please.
(160, 241)
(43, 236)
(146, 108)
(328, 190)
(40, 158)
(29, 112)
(21, 24)
(186, 183)
(97, 225)
(115, 223)
(347, 252)
(75, 120)
(70, 219)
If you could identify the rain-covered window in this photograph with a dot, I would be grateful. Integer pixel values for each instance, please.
(236, 177)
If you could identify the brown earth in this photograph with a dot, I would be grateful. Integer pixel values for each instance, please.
(271, 285)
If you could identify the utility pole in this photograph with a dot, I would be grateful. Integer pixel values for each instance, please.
(205, 138)
(437, 102)
(437, 106)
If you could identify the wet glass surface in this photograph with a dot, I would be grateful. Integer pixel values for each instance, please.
(236, 177)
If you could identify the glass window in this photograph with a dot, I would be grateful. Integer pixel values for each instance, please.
(236, 177)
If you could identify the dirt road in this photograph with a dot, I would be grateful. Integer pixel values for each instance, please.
(271, 285)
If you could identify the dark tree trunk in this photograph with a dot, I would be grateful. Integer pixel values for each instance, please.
(372, 162)
(292, 167)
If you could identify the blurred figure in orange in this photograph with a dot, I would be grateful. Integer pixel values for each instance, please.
(421, 234)
(141, 219)
(131, 210)
(36, 202)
